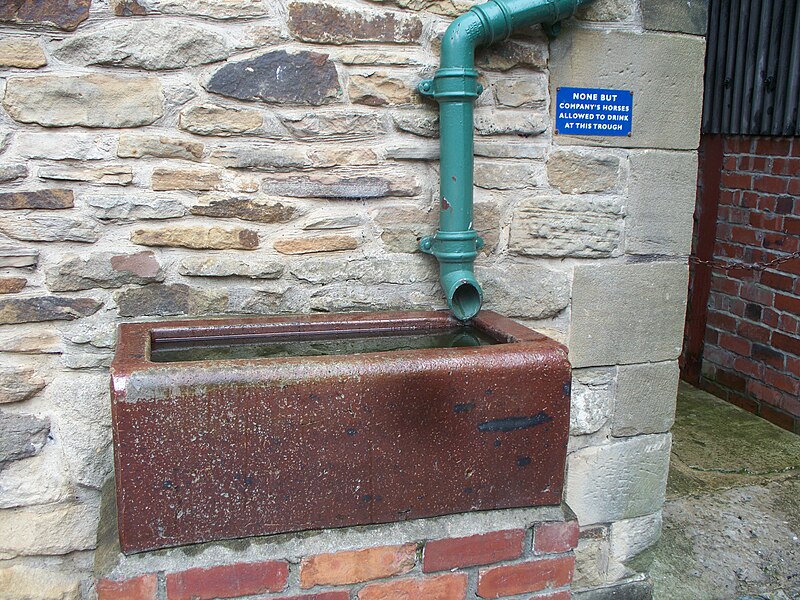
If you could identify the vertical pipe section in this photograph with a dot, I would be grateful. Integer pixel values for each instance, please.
(455, 87)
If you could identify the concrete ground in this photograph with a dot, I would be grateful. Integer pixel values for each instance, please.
(732, 517)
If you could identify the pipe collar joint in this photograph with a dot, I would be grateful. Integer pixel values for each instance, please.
(452, 84)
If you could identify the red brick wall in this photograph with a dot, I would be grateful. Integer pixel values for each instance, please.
(751, 355)
(499, 564)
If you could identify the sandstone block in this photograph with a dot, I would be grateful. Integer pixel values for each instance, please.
(106, 175)
(45, 308)
(197, 238)
(12, 172)
(280, 78)
(421, 150)
(526, 90)
(588, 227)
(607, 10)
(345, 222)
(34, 228)
(175, 299)
(356, 296)
(223, 266)
(138, 146)
(381, 89)
(247, 209)
(448, 8)
(513, 53)
(508, 175)
(31, 343)
(509, 149)
(154, 45)
(12, 285)
(40, 584)
(341, 187)
(21, 53)
(60, 101)
(21, 436)
(633, 536)
(35, 481)
(52, 531)
(49, 199)
(229, 9)
(53, 13)
(397, 270)
(621, 480)
(18, 384)
(328, 24)
(61, 146)
(130, 208)
(667, 104)
(524, 291)
(490, 121)
(593, 394)
(336, 126)
(319, 243)
(676, 15)
(343, 155)
(199, 180)
(103, 270)
(424, 125)
(575, 172)
(661, 197)
(18, 257)
(220, 120)
(630, 313)
(269, 157)
(646, 396)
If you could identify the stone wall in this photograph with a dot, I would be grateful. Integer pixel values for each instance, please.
(203, 157)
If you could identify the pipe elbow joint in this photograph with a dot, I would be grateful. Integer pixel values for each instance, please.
(464, 293)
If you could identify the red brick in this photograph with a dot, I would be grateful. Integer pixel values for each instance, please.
(789, 324)
(356, 566)
(762, 392)
(765, 202)
(791, 225)
(752, 332)
(790, 266)
(770, 317)
(737, 181)
(767, 355)
(442, 587)
(774, 146)
(761, 220)
(735, 344)
(731, 380)
(759, 164)
(793, 366)
(789, 304)
(744, 403)
(553, 538)
(228, 581)
(777, 417)
(725, 285)
(756, 293)
(498, 546)
(783, 382)
(738, 144)
(319, 596)
(722, 321)
(139, 588)
(743, 235)
(780, 242)
(749, 200)
(794, 186)
(729, 164)
(777, 281)
(526, 577)
(748, 367)
(713, 388)
(771, 185)
(785, 204)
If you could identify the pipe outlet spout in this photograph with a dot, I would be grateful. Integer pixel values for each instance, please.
(455, 87)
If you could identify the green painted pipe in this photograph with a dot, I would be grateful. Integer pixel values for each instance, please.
(455, 87)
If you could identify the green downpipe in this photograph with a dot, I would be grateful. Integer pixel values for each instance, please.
(455, 87)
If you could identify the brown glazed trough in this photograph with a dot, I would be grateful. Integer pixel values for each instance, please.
(211, 443)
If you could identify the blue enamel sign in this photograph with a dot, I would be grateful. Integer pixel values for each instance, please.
(586, 111)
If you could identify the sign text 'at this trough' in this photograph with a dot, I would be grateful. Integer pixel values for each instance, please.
(587, 111)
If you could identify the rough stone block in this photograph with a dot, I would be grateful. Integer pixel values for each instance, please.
(48, 199)
(607, 10)
(21, 436)
(448, 8)
(342, 187)
(21, 53)
(560, 226)
(319, 243)
(54, 13)
(34, 481)
(508, 175)
(222, 266)
(336, 125)
(593, 394)
(174, 299)
(220, 120)
(19, 383)
(12, 285)
(279, 77)
(620, 480)
(46, 308)
(684, 16)
(130, 208)
(139, 146)
(627, 313)
(575, 172)
(197, 238)
(656, 67)
(247, 209)
(12, 172)
(525, 90)
(48, 530)
(105, 175)
(229, 9)
(35, 228)
(269, 157)
(319, 22)
(33, 583)
(633, 536)
(154, 45)
(381, 89)
(490, 121)
(527, 291)
(103, 270)
(61, 146)
(530, 52)
(662, 193)
(198, 180)
(60, 101)
(646, 396)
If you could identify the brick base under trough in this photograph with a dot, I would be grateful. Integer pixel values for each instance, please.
(496, 554)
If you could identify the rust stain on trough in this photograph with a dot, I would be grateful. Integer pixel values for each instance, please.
(218, 449)
(515, 423)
